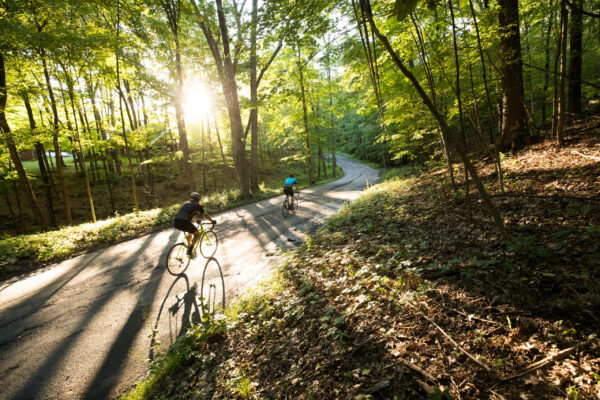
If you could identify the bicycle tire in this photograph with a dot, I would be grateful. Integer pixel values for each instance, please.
(212, 290)
(178, 259)
(285, 209)
(208, 244)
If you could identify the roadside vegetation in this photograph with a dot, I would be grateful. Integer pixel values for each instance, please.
(401, 296)
(22, 253)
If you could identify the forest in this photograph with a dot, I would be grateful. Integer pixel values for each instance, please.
(469, 270)
(113, 107)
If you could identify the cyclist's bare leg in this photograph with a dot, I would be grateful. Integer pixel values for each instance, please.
(195, 238)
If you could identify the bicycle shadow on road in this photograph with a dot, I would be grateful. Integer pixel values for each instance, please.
(188, 303)
(181, 309)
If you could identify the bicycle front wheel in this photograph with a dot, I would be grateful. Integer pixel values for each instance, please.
(285, 209)
(212, 291)
(208, 244)
(178, 259)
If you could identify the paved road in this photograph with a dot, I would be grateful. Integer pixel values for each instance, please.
(84, 328)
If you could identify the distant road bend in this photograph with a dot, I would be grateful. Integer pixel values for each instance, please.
(82, 328)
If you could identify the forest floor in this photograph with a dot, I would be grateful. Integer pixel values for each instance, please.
(399, 297)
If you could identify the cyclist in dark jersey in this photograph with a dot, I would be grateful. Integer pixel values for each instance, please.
(183, 219)
(288, 187)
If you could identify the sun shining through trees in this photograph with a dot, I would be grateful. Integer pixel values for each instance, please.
(197, 102)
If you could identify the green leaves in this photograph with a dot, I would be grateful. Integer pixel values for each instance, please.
(404, 7)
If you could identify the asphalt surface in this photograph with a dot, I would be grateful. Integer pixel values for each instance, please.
(86, 327)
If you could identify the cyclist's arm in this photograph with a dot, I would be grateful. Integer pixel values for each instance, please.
(208, 217)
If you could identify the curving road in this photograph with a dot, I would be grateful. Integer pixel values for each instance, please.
(85, 328)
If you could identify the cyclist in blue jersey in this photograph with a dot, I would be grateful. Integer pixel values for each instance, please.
(191, 210)
(288, 187)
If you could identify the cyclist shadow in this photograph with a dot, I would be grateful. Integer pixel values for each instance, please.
(188, 303)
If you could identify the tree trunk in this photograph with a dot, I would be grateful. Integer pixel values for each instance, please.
(5, 130)
(515, 133)
(305, 119)
(131, 105)
(460, 112)
(39, 149)
(564, 20)
(331, 117)
(220, 144)
(238, 143)
(57, 149)
(253, 102)
(576, 52)
(99, 124)
(226, 72)
(131, 175)
(85, 171)
(547, 65)
(484, 75)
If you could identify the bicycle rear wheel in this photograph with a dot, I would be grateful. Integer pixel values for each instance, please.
(208, 244)
(212, 290)
(178, 259)
(285, 208)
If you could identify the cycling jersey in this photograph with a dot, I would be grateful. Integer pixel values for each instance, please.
(188, 210)
(289, 182)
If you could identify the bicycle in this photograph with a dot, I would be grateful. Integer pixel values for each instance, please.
(178, 259)
(287, 207)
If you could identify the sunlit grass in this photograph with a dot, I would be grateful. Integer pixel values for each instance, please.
(40, 248)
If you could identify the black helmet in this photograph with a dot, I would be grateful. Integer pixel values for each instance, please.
(195, 196)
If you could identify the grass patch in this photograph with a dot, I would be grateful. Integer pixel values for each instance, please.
(23, 253)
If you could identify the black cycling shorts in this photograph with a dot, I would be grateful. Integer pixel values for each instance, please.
(185, 225)
(288, 190)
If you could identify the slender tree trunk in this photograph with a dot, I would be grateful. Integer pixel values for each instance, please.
(560, 138)
(39, 149)
(331, 117)
(57, 149)
(85, 171)
(253, 101)
(173, 9)
(484, 74)
(460, 112)
(202, 156)
(547, 65)
(219, 141)
(99, 123)
(305, 119)
(576, 53)
(515, 133)
(85, 124)
(5, 130)
(131, 174)
(131, 105)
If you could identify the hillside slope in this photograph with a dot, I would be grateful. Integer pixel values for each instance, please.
(398, 296)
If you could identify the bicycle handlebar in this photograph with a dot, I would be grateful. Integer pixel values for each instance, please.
(211, 224)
